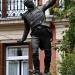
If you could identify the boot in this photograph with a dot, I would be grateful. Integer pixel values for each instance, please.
(48, 73)
(36, 72)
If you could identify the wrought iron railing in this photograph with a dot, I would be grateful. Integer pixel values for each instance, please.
(10, 8)
(13, 7)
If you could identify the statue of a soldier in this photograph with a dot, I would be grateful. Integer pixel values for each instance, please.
(35, 19)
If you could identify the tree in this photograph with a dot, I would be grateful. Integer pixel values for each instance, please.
(67, 65)
(69, 38)
(68, 12)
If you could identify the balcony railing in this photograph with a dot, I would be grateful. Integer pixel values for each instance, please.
(12, 7)
(15, 7)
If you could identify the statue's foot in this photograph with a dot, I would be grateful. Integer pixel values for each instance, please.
(46, 73)
(35, 72)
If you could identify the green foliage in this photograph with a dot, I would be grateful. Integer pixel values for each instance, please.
(68, 43)
(69, 4)
(69, 38)
(69, 8)
(67, 65)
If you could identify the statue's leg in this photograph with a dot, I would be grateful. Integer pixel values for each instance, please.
(47, 58)
(35, 47)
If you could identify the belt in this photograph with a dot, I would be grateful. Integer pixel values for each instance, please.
(41, 27)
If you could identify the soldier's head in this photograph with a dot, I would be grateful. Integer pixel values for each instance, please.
(29, 4)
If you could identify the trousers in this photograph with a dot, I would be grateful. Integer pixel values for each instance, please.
(42, 41)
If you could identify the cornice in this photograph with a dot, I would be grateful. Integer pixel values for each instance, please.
(18, 20)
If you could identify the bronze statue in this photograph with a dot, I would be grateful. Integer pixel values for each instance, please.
(35, 19)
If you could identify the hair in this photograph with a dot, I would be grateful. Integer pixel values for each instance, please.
(29, 4)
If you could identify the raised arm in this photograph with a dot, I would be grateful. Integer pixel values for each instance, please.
(48, 4)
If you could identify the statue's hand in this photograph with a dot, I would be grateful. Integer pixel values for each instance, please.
(22, 15)
(19, 41)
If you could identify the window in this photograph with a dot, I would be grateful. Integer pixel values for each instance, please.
(17, 60)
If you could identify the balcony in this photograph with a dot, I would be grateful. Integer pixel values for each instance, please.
(11, 8)
(14, 8)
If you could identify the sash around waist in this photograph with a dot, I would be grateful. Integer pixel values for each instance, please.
(40, 27)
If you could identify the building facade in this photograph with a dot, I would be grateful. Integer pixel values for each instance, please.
(16, 59)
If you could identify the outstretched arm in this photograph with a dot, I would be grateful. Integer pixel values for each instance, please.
(25, 33)
(26, 30)
(48, 4)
